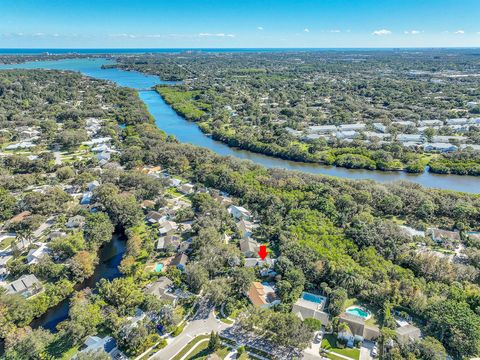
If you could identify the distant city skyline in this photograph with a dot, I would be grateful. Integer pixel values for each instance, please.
(246, 24)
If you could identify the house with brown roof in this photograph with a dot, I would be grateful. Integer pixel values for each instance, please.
(262, 295)
(19, 217)
(443, 236)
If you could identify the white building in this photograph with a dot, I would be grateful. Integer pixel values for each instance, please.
(35, 255)
(239, 212)
(380, 127)
(350, 127)
(350, 134)
(322, 129)
(410, 138)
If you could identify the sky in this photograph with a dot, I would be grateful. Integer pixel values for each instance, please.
(239, 24)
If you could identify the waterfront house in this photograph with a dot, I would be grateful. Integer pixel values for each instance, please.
(25, 286)
(107, 344)
(155, 217)
(169, 243)
(410, 138)
(442, 147)
(443, 236)
(322, 129)
(162, 289)
(167, 227)
(77, 221)
(347, 134)
(430, 123)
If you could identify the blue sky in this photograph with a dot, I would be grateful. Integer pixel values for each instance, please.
(243, 23)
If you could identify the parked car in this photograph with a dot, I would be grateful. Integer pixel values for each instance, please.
(375, 351)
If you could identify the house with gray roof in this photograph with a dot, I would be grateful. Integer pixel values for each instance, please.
(249, 247)
(162, 289)
(311, 306)
(26, 286)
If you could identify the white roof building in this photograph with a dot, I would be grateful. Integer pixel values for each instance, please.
(350, 127)
(350, 134)
(35, 255)
(410, 137)
(380, 127)
(322, 129)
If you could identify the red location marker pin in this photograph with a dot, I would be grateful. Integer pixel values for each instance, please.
(263, 252)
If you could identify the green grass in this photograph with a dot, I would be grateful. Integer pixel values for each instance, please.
(373, 319)
(202, 352)
(329, 342)
(62, 348)
(190, 345)
(5, 243)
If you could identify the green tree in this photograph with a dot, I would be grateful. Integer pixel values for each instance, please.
(214, 343)
(7, 203)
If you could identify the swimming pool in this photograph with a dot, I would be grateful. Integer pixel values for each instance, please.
(159, 267)
(312, 298)
(358, 311)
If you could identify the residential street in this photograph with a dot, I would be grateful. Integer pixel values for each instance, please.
(202, 323)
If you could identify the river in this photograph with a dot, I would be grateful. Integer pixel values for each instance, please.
(110, 257)
(188, 132)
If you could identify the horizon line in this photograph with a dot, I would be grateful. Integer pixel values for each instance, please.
(238, 48)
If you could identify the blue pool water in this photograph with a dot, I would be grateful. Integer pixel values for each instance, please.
(357, 312)
(312, 298)
(159, 268)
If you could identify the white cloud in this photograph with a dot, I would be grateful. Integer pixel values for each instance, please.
(381, 32)
(131, 36)
(335, 31)
(260, 28)
(460, 32)
(216, 35)
(306, 30)
(413, 32)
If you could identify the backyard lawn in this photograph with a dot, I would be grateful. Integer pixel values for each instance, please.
(6, 242)
(329, 342)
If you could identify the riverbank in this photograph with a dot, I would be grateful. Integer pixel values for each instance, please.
(188, 132)
(184, 103)
(110, 256)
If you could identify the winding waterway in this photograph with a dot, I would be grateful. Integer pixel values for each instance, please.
(110, 256)
(185, 131)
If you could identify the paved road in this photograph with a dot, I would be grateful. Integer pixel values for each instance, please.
(202, 323)
(312, 352)
(58, 158)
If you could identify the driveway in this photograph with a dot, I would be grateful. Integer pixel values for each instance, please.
(313, 350)
(204, 322)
